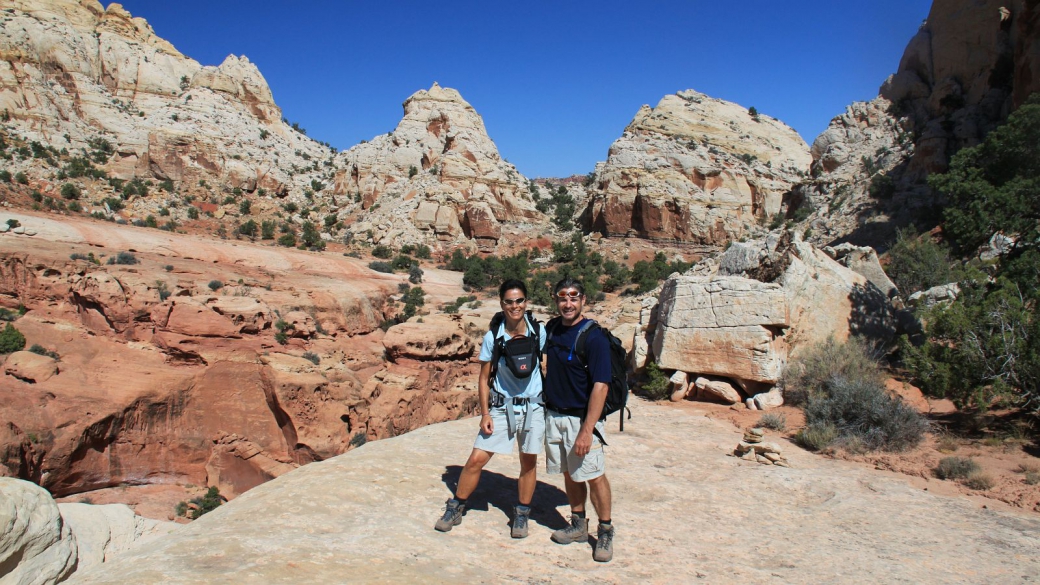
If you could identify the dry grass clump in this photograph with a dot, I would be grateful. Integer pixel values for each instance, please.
(956, 468)
(817, 437)
(978, 481)
(774, 421)
(826, 361)
(946, 444)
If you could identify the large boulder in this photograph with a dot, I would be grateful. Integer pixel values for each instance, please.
(437, 338)
(36, 546)
(728, 326)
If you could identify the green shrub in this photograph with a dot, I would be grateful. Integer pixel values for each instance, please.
(312, 357)
(919, 263)
(773, 420)
(288, 240)
(207, 503)
(956, 467)
(817, 437)
(245, 207)
(123, 258)
(70, 191)
(181, 509)
(215, 285)
(863, 411)
(415, 274)
(382, 251)
(359, 439)
(656, 385)
(11, 340)
(193, 212)
(381, 267)
(40, 350)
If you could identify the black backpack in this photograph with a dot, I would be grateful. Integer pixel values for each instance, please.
(522, 354)
(617, 393)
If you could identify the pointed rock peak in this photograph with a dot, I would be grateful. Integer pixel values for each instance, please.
(117, 20)
(436, 93)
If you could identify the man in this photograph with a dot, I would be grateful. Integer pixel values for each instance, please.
(575, 391)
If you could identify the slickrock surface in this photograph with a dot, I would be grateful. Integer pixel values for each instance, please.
(684, 509)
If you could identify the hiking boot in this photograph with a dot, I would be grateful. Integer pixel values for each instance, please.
(604, 544)
(519, 528)
(578, 531)
(453, 510)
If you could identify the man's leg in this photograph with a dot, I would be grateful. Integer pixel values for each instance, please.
(577, 493)
(601, 500)
(600, 492)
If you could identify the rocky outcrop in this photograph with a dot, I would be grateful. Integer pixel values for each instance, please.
(733, 331)
(967, 68)
(437, 176)
(695, 169)
(160, 379)
(73, 74)
(44, 542)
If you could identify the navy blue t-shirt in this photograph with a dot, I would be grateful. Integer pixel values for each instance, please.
(567, 383)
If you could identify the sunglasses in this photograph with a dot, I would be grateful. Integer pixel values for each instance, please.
(562, 296)
(514, 302)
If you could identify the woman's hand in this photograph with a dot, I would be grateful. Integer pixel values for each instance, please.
(487, 426)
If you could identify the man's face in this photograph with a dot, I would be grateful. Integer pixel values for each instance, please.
(570, 302)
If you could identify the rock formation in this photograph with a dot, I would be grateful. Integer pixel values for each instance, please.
(967, 68)
(44, 542)
(695, 169)
(437, 175)
(157, 375)
(733, 331)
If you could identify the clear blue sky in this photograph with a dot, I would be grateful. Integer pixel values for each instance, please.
(556, 82)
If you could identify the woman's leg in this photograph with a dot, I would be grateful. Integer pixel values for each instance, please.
(528, 477)
(470, 476)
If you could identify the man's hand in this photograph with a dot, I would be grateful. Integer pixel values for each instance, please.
(487, 426)
(583, 444)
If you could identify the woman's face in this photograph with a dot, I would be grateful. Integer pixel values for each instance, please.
(514, 303)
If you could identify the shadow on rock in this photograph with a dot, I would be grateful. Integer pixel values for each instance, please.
(499, 491)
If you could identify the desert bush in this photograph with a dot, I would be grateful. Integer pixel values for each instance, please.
(123, 258)
(773, 420)
(919, 263)
(40, 350)
(1032, 477)
(825, 361)
(312, 357)
(379, 266)
(382, 251)
(415, 274)
(946, 444)
(215, 285)
(956, 467)
(656, 385)
(70, 191)
(861, 410)
(11, 340)
(207, 503)
(817, 437)
(978, 481)
(359, 439)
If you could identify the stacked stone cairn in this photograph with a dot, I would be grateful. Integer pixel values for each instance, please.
(754, 448)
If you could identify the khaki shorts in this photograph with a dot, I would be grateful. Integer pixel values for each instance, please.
(502, 441)
(560, 433)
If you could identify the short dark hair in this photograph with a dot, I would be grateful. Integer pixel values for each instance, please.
(509, 285)
(569, 282)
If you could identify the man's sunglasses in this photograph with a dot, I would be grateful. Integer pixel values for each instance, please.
(562, 296)
(516, 302)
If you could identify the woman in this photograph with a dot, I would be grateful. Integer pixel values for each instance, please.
(511, 411)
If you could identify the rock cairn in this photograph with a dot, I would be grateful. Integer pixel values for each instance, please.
(754, 448)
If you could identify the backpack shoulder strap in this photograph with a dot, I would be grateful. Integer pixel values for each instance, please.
(583, 334)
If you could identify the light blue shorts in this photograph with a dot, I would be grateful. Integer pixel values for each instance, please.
(501, 440)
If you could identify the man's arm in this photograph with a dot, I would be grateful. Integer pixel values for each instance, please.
(583, 444)
(487, 426)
